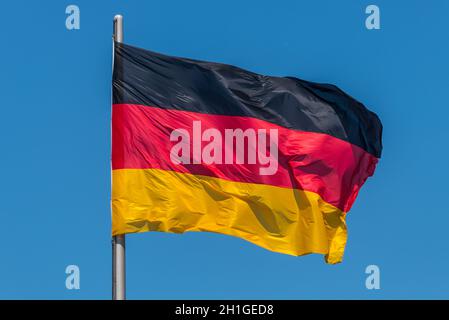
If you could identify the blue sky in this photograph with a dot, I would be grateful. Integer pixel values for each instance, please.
(55, 141)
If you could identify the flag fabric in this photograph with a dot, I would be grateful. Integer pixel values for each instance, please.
(202, 146)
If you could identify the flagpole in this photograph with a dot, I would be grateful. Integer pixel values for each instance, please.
(118, 242)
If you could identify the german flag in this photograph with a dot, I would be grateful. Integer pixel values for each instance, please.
(201, 146)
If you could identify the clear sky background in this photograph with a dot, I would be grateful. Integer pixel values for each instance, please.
(55, 87)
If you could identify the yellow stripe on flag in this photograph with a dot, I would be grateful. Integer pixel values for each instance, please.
(279, 219)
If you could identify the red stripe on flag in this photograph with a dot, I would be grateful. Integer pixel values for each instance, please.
(316, 162)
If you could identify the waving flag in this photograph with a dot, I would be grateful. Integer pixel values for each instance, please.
(201, 146)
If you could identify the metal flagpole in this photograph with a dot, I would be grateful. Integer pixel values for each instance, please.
(118, 242)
